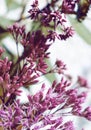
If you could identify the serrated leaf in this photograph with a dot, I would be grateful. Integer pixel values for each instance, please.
(12, 4)
(82, 30)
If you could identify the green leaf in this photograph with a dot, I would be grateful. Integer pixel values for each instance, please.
(82, 30)
(12, 4)
(3, 35)
(35, 26)
(50, 77)
(5, 22)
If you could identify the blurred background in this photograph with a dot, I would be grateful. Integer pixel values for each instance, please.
(75, 51)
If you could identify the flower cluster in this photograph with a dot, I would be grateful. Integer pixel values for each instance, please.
(46, 111)
(42, 111)
(68, 6)
(52, 19)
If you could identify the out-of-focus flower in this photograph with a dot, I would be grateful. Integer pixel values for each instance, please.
(17, 31)
(68, 6)
(59, 67)
(82, 82)
(87, 113)
(1, 50)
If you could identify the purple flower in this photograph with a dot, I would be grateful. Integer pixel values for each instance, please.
(35, 10)
(10, 116)
(42, 110)
(87, 113)
(45, 109)
(68, 6)
(17, 31)
(82, 82)
(1, 50)
(52, 19)
(68, 126)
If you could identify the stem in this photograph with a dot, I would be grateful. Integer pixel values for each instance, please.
(10, 99)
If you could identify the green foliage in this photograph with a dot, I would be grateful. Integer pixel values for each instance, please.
(50, 77)
(12, 4)
(5, 22)
(81, 30)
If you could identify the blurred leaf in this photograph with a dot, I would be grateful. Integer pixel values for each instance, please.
(1, 128)
(3, 33)
(50, 77)
(12, 4)
(19, 127)
(5, 22)
(1, 91)
(35, 26)
(82, 30)
(2, 30)
(8, 53)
